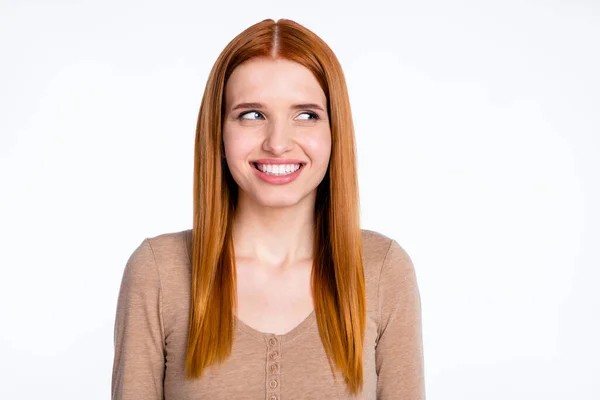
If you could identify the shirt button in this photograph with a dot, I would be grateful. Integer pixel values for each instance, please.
(273, 384)
(274, 355)
(272, 341)
(273, 397)
(273, 368)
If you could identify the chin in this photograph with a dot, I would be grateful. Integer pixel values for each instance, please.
(278, 200)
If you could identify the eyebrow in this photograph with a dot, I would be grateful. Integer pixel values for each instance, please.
(259, 106)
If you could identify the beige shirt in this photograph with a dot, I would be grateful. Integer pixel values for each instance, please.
(152, 323)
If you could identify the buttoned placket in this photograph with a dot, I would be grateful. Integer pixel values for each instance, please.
(273, 381)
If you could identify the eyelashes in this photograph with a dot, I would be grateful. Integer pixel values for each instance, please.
(312, 115)
(243, 114)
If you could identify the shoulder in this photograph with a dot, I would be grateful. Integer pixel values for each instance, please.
(156, 255)
(374, 245)
(171, 245)
(380, 251)
(389, 270)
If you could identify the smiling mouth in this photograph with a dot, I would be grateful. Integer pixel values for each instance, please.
(277, 169)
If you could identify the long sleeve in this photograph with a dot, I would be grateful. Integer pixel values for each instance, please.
(139, 359)
(399, 352)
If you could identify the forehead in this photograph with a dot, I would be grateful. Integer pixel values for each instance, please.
(264, 80)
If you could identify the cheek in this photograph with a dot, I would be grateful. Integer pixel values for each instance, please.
(318, 146)
(236, 144)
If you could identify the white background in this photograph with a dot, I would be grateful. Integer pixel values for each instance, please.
(478, 131)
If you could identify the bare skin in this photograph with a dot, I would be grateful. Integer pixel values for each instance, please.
(273, 228)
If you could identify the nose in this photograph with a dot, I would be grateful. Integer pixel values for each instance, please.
(278, 138)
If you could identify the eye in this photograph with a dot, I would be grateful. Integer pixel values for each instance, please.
(249, 115)
(311, 115)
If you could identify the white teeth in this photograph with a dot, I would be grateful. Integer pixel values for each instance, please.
(279, 169)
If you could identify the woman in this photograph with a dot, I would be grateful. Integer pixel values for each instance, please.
(276, 292)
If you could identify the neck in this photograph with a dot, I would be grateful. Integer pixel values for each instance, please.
(274, 236)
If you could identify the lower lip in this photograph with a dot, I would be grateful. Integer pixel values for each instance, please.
(277, 179)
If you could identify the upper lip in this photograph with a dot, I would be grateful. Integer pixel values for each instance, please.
(277, 161)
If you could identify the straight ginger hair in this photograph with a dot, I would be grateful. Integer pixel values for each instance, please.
(337, 280)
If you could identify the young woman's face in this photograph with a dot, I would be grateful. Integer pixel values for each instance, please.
(276, 132)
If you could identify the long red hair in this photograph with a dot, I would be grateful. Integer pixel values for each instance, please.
(338, 285)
